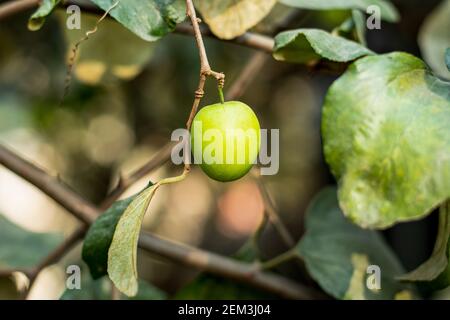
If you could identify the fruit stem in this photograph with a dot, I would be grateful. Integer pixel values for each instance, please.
(222, 99)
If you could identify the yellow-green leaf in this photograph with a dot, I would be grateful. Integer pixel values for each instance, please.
(386, 135)
(387, 9)
(229, 19)
(122, 268)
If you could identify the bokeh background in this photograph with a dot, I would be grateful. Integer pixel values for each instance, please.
(125, 99)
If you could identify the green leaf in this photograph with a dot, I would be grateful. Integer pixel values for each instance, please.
(360, 26)
(149, 19)
(21, 248)
(229, 19)
(447, 58)
(101, 290)
(99, 237)
(388, 11)
(438, 263)
(104, 57)
(211, 287)
(386, 137)
(122, 267)
(37, 20)
(306, 45)
(337, 253)
(434, 38)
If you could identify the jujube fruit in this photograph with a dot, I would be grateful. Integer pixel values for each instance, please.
(226, 137)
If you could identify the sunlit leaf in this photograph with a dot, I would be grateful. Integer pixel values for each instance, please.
(37, 20)
(149, 19)
(122, 264)
(231, 18)
(360, 25)
(337, 253)
(386, 137)
(388, 11)
(308, 45)
(434, 38)
(21, 248)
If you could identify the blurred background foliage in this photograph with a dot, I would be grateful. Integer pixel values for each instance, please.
(125, 99)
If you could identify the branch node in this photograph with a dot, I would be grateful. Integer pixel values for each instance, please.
(199, 93)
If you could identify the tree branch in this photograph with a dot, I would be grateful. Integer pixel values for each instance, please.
(56, 255)
(190, 256)
(171, 250)
(205, 69)
(272, 213)
(11, 8)
(61, 193)
(248, 73)
(249, 39)
(157, 161)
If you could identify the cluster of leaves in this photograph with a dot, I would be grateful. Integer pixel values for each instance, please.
(387, 142)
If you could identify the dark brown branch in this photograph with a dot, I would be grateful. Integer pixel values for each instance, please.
(11, 8)
(249, 39)
(61, 250)
(56, 255)
(171, 250)
(226, 267)
(61, 193)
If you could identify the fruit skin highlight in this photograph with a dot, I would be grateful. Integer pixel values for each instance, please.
(226, 120)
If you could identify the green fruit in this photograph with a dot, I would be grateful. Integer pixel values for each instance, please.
(225, 137)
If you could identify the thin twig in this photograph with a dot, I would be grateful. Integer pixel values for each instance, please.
(205, 69)
(257, 235)
(161, 157)
(75, 49)
(278, 260)
(247, 75)
(272, 213)
(57, 254)
(176, 252)
(115, 293)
